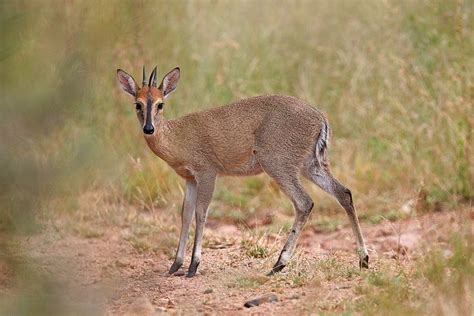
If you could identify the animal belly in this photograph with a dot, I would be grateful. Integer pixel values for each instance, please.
(241, 167)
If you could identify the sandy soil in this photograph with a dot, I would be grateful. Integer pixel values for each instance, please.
(107, 274)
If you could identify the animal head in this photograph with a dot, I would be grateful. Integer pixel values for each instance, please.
(149, 99)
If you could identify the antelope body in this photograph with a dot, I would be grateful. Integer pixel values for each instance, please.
(280, 135)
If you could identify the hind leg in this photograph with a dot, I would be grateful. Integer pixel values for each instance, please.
(303, 206)
(289, 182)
(322, 177)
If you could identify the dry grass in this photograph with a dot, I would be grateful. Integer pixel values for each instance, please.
(396, 80)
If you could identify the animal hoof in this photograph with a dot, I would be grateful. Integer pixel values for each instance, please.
(192, 269)
(175, 267)
(364, 262)
(276, 268)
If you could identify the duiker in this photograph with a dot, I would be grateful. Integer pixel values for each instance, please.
(280, 135)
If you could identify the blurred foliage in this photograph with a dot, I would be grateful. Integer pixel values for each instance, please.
(396, 79)
(445, 275)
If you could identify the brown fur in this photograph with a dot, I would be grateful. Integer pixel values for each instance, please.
(280, 135)
(145, 92)
(229, 139)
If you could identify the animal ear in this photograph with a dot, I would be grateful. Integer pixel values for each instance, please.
(127, 83)
(170, 82)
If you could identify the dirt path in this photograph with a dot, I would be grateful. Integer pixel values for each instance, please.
(108, 274)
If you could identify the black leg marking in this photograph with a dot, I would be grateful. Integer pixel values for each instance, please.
(175, 267)
(192, 269)
(364, 263)
(276, 268)
(278, 265)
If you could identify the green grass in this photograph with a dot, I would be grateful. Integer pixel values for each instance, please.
(248, 282)
(441, 281)
(327, 224)
(332, 269)
(395, 79)
(256, 246)
(88, 231)
(390, 294)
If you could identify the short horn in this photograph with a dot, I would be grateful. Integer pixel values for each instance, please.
(144, 76)
(152, 81)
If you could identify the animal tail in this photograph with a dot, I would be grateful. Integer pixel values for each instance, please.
(322, 143)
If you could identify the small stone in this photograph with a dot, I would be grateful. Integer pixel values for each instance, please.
(261, 300)
(208, 291)
(179, 273)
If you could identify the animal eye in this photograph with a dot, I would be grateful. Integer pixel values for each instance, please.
(138, 106)
(160, 106)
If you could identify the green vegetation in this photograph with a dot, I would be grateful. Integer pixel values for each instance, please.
(442, 283)
(396, 79)
(248, 281)
(256, 246)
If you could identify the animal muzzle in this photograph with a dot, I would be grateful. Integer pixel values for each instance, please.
(148, 129)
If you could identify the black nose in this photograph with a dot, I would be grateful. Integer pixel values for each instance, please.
(148, 129)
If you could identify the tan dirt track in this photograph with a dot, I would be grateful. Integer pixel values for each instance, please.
(108, 275)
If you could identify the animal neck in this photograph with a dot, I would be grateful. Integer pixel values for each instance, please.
(158, 141)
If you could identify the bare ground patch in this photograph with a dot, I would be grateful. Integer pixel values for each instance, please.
(108, 273)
